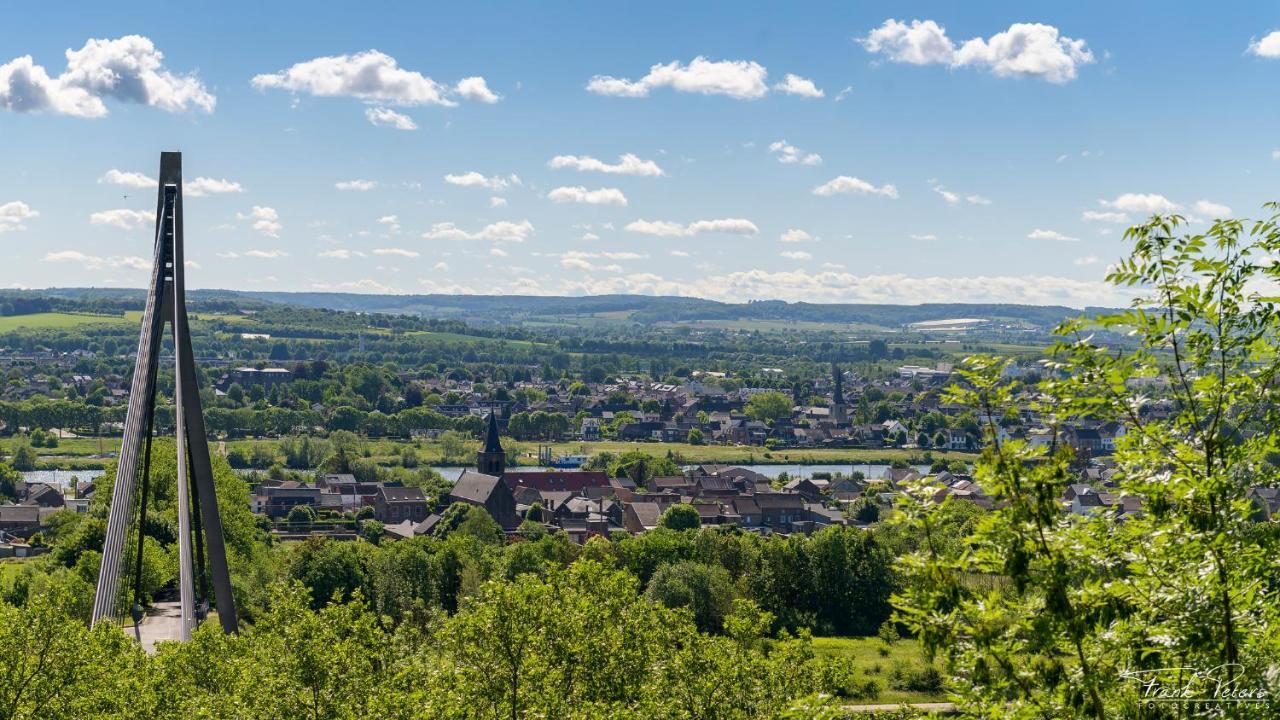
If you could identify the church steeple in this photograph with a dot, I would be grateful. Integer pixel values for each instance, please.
(839, 412)
(492, 459)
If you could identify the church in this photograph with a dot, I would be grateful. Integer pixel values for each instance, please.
(484, 486)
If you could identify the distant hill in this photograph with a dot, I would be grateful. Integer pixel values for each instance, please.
(642, 309)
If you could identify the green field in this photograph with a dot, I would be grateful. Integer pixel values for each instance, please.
(75, 453)
(868, 661)
(61, 321)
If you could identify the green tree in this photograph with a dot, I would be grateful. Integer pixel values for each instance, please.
(1180, 585)
(680, 516)
(705, 590)
(769, 406)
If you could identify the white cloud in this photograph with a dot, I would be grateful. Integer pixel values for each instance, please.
(789, 154)
(1086, 260)
(1268, 47)
(363, 285)
(476, 89)
(796, 85)
(93, 262)
(795, 235)
(590, 236)
(122, 218)
(954, 198)
(386, 117)
(840, 96)
(497, 202)
(1024, 50)
(663, 228)
(503, 231)
(14, 214)
(1039, 234)
(340, 254)
(579, 194)
(399, 252)
(128, 69)
(128, 179)
(265, 220)
(1147, 204)
(266, 254)
(627, 164)
(796, 255)
(497, 183)
(1211, 209)
(829, 286)
(202, 186)
(369, 75)
(740, 79)
(497, 252)
(679, 253)
(1100, 216)
(1275, 154)
(928, 237)
(392, 223)
(845, 185)
(359, 185)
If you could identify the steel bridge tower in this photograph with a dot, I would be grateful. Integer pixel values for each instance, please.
(199, 524)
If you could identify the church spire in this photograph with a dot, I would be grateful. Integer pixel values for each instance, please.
(837, 396)
(492, 459)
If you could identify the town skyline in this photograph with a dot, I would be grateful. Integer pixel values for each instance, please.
(934, 156)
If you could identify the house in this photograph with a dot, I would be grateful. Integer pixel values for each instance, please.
(806, 488)
(278, 500)
(780, 510)
(488, 492)
(22, 520)
(641, 517)
(44, 495)
(398, 504)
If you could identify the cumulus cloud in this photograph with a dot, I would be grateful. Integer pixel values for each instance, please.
(497, 183)
(1144, 203)
(386, 117)
(399, 252)
(122, 218)
(128, 69)
(265, 220)
(1024, 50)
(94, 262)
(266, 254)
(796, 255)
(363, 285)
(360, 185)
(370, 75)
(476, 89)
(663, 228)
(1039, 234)
(1086, 260)
(1268, 47)
(738, 79)
(503, 231)
(954, 198)
(128, 179)
(795, 85)
(846, 185)
(789, 154)
(795, 235)
(340, 254)
(1102, 216)
(202, 186)
(497, 202)
(13, 216)
(391, 222)
(579, 194)
(928, 237)
(627, 164)
(1211, 209)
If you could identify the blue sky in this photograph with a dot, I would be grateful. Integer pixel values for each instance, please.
(971, 153)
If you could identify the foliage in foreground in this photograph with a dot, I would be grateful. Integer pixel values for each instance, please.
(581, 642)
(1042, 614)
